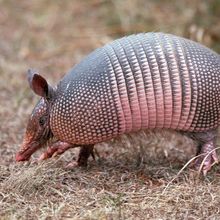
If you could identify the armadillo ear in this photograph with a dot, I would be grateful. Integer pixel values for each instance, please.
(39, 85)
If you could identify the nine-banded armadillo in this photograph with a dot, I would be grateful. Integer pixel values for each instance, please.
(143, 81)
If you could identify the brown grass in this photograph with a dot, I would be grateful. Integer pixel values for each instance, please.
(132, 178)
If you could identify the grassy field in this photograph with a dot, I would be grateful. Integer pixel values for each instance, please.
(133, 177)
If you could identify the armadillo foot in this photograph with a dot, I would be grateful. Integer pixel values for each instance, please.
(207, 158)
(55, 149)
(84, 154)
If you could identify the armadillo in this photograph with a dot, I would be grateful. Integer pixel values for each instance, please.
(138, 82)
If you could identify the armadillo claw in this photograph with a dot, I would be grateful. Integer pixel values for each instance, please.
(47, 154)
(55, 149)
(60, 147)
(205, 162)
(43, 156)
(72, 165)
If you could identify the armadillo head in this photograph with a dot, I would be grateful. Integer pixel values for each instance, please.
(38, 130)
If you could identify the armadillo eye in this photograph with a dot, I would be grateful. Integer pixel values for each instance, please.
(42, 121)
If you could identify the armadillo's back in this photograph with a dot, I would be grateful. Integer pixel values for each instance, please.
(142, 81)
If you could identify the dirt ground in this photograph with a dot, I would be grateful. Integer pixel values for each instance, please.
(133, 177)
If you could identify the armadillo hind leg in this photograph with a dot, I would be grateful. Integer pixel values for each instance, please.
(207, 157)
(206, 152)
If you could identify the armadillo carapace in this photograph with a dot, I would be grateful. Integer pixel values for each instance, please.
(143, 81)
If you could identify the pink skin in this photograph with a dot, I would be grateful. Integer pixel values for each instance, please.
(207, 159)
(57, 148)
(24, 155)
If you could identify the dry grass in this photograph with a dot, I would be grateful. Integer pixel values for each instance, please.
(122, 185)
(132, 177)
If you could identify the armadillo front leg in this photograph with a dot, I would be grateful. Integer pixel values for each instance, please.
(56, 148)
(60, 147)
(84, 155)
